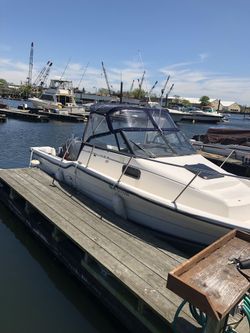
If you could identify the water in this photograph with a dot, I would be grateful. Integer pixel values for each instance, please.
(37, 293)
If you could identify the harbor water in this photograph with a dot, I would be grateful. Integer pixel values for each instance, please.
(37, 293)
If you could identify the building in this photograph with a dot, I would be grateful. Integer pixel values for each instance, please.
(225, 106)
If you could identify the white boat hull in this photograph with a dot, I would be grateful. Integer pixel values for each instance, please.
(130, 205)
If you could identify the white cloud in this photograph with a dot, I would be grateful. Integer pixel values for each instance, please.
(189, 81)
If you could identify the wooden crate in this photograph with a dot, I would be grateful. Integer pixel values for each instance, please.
(209, 281)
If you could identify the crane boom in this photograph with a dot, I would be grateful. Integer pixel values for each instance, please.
(29, 78)
(150, 91)
(167, 94)
(46, 74)
(39, 76)
(132, 86)
(140, 84)
(106, 78)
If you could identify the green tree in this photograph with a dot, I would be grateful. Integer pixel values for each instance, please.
(204, 100)
(103, 92)
(139, 93)
(185, 102)
(3, 83)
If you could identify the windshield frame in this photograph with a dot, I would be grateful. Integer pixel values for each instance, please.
(131, 145)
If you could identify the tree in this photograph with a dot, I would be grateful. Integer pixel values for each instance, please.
(139, 93)
(204, 100)
(185, 102)
(3, 83)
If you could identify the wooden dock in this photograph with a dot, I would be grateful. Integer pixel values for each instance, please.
(231, 165)
(24, 115)
(123, 264)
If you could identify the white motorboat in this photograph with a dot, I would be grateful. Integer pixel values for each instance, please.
(177, 115)
(136, 162)
(59, 97)
(198, 115)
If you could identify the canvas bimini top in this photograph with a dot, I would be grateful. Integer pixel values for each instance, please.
(143, 132)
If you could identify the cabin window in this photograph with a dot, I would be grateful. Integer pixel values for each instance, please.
(46, 97)
(97, 124)
(106, 141)
(123, 119)
(64, 99)
(162, 118)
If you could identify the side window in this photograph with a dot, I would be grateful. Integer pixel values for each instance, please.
(122, 144)
(105, 141)
(97, 124)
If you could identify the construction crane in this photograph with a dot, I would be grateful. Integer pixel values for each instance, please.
(150, 91)
(46, 74)
(40, 76)
(167, 94)
(140, 83)
(85, 69)
(132, 86)
(106, 78)
(29, 78)
(163, 89)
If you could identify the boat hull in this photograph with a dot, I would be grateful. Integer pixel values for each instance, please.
(130, 205)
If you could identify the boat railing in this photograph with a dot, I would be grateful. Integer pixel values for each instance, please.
(195, 169)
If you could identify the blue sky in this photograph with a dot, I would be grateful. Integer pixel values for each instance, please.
(203, 44)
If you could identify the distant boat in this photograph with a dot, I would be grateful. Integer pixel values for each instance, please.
(198, 115)
(232, 142)
(177, 115)
(59, 97)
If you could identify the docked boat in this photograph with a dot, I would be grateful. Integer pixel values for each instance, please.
(177, 115)
(233, 142)
(59, 98)
(136, 162)
(198, 115)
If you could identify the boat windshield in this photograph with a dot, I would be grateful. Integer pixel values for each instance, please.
(141, 132)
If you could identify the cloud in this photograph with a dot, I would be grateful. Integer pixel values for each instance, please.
(189, 78)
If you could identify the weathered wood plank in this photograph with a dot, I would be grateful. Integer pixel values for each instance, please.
(141, 287)
(151, 256)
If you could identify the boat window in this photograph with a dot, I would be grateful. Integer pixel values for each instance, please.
(162, 118)
(64, 99)
(47, 97)
(106, 141)
(123, 119)
(158, 144)
(97, 124)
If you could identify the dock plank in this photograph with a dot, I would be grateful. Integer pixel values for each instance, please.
(148, 284)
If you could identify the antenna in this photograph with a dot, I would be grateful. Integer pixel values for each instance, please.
(84, 71)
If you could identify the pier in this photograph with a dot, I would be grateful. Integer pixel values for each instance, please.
(123, 264)
(232, 165)
(24, 115)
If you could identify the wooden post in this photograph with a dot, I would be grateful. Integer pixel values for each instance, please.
(214, 325)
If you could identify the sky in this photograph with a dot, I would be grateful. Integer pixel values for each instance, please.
(202, 44)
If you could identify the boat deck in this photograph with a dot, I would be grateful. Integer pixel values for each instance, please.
(125, 265)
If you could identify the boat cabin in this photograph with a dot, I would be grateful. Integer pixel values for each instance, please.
(143, 132)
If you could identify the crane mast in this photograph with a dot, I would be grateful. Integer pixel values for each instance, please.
(29, 78)
(106, 78)
(132, 86)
